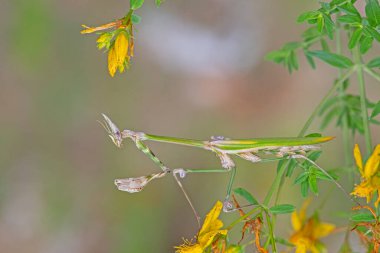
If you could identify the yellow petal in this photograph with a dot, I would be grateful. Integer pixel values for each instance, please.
(296, 222)
(211, 217)
(121, 47)
(112, 63)
(196, 248)
(372, 165)
(322, 229)
(363, 190)
(207, 238)
(302, 215)
(358, 159)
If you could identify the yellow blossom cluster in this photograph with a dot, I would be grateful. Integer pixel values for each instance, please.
(308, 231)
(118, 41)
(211, 228)
(370, 174)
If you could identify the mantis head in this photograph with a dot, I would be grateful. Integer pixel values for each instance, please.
(112, 130)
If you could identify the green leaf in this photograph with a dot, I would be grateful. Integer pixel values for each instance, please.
(303, 177)
(362, 217)
(320, 23)
(245, 194)
(309, 59)
(372, 10)
(374, 63)
(136, 4)
(314, 156)
(333, 113)
(277, 56)
(313, 184)
(136, 19)
(376, 110)
(321, 175)
(349, 8)
(304, 188)
(365, 44)
(280, 209)
(355, 37)
(307, 16)
(372, 32)
(329, 25)
(335, 60)
(325, 46)
(158, 2)
(349, 19)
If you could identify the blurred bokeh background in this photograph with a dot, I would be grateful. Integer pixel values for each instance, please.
(198, 71)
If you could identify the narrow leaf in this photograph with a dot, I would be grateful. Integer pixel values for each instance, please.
(376, 110)
(304, 188)
(362, 217)
(307, 16)
(349, 19)
(374, 63)
(365, 44)
(309, 59)
(372, 10)
(335, 60)
(136, 4)
(373, 32)
(245, 194)
(280, 209)
(313, 184)
(355, 38)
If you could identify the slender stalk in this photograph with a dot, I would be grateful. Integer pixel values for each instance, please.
(271, 231)
(314, 114)
(276, 184)
(372, 73)
(363, 99)
(241, 218)
(342, 93)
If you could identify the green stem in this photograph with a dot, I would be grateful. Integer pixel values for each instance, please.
(233, 224)
(314, 114)
(275, 185)
(271, 231)
(372, 73)
(363, 99)
(342, 93)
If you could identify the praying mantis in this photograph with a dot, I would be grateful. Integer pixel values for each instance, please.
(253, 150)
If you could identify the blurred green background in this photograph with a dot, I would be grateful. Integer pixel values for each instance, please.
(198, 71)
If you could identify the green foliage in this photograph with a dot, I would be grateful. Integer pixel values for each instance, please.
(362, 217)
(136, 4)
(334, 60)
(158, 2)
(246, 195)
(136, 19)
(347, 108)
(282, 209)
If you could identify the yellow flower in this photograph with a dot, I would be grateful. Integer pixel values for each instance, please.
(210, 229)
(370, 182)
(121, 48)
(118, 41)
(112, 62)
(308, 231)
